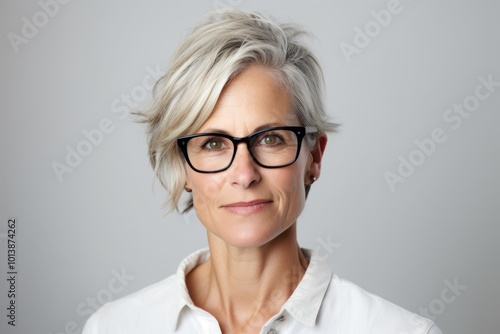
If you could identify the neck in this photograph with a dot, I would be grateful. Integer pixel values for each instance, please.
(245, 283)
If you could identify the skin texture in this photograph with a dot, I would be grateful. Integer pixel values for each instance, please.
(255, 261)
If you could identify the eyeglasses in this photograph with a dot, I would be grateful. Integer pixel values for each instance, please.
(270, 148)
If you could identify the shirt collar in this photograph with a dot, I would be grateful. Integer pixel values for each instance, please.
(303, 304)
(305, 301)
(183, 298)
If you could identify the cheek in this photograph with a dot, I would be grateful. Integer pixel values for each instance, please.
(297, 193)
(302, 165)
(290, 186)
(205, 188)
(296, 182)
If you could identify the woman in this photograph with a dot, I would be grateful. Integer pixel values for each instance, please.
(239, 124)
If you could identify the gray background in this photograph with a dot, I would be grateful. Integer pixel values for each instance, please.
(440, 225)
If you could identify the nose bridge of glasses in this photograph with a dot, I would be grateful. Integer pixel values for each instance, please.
(242, 140)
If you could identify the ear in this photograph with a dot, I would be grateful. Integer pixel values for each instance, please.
(316, 154)
(187, 184)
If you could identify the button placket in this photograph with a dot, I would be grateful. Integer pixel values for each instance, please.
(276, 323)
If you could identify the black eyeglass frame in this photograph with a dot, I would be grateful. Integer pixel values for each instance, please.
(300, 132)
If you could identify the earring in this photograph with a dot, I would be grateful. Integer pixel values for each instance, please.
(313, 179)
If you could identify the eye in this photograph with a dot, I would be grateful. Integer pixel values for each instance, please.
(271, 139)
(213, 144)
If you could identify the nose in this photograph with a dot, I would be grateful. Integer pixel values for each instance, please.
(244, 172)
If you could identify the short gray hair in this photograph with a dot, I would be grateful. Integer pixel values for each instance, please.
(225, 43)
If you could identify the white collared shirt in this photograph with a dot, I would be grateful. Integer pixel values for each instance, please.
(321, 303)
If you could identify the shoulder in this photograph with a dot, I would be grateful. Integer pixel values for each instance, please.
(365, 312)
(130, 313)
(154, 309)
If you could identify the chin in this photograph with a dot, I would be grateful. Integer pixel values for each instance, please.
(250, 236)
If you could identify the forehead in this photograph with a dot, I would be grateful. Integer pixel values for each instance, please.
(251, 100)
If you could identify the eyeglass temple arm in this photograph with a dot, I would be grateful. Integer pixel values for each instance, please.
(311, 129)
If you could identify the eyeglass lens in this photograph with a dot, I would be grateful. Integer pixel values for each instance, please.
(271, 148)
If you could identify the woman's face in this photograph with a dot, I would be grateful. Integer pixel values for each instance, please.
(248, 205)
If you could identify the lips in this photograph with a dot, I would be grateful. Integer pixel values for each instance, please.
(245, 204)
(246, 208)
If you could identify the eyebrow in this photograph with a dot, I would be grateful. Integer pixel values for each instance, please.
(260, 127)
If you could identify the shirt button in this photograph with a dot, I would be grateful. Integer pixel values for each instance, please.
(272, 331)
(281, 318)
